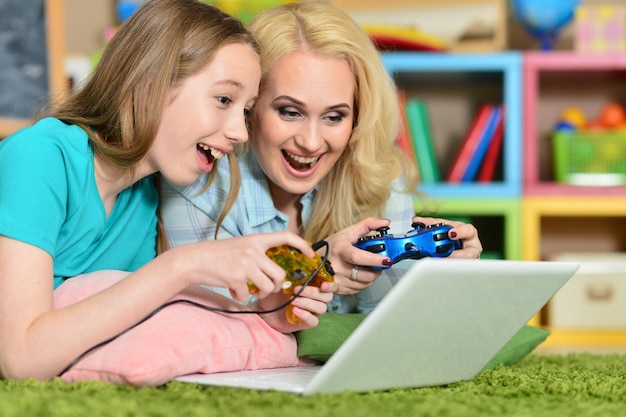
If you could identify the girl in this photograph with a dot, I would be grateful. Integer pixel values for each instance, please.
(78, 194)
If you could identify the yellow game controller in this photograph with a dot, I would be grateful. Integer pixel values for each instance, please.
(299, 269)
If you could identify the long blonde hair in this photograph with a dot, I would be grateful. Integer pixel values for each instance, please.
(359, 184)
(161, 45)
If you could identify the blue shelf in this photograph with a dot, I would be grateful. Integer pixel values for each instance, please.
(463, 68)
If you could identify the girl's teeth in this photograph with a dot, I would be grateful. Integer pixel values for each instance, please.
(214, 152)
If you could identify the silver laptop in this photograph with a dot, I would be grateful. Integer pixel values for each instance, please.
(442, 323)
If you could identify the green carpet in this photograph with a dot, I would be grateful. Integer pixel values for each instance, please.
(574, 385)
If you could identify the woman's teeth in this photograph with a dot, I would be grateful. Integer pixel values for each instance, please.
(300, 162)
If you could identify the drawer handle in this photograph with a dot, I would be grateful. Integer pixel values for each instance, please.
(600, 292)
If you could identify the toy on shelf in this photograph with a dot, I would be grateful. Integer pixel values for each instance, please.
(245, 10)
(571, 119)
(126, 8)
(600, 28)
(399, 38)
(610, 118)
(544, 19)
(591, 151)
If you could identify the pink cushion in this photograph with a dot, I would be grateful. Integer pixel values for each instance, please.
(181, 339)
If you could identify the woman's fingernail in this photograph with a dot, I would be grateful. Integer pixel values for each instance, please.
(452, 235)
(387, 262)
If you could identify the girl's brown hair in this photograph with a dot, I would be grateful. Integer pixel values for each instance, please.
(162, 44)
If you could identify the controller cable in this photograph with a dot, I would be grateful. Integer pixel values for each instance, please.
(315, 246)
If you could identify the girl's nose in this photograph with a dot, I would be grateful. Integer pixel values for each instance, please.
(237, 129)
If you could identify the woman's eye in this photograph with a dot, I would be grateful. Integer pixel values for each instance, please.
(335, 118)
(224, 100)
(288, 113)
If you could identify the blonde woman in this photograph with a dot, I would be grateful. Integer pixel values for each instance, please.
(321, 161)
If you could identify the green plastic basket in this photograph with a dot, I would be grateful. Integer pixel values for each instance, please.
(590, 159)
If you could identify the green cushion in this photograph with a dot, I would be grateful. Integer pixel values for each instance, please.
(524, 342)
(319, 343)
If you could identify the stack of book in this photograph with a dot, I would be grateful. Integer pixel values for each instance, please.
(475, 160)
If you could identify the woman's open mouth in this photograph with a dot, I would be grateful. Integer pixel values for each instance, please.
(300, 163)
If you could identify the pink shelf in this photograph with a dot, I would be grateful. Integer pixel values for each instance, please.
(581, 71)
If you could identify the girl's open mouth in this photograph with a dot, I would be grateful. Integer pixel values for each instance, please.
(209, 153)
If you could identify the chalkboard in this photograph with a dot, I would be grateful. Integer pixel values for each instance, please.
(31, 59)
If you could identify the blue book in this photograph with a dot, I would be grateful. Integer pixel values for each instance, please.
(483, 144)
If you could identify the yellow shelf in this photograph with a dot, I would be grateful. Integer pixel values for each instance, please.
(560, 338)
(537, 213)
(535, 208)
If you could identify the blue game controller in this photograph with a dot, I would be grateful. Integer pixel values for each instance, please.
(421, 242)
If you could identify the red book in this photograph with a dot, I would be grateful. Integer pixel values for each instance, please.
(404, 140)
(470, 144)
(485, 141)
(493, 153)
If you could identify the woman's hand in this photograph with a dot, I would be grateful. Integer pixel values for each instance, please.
(465, 232)
(350, 264)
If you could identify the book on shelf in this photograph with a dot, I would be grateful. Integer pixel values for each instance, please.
(480, 148)
(493, 123)
(488, 168)
(404, 141)
(420, 132)
(469, 144)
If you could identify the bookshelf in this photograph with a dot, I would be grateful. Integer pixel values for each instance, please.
(558, 217)
(524, 213)
(454, 86)
(475, 25)
(552, 82)
(497, 219)
(562, 223)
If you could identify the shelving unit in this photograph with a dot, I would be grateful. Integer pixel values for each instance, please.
(525, 211)
(552, 82)
(498, 221)
(458, 85)
(574, 223)
(454, 86)
(557, 217)
(475, 25)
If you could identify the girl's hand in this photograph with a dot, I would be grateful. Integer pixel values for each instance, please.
(238, 263)
(465, 232)
(307, 306)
